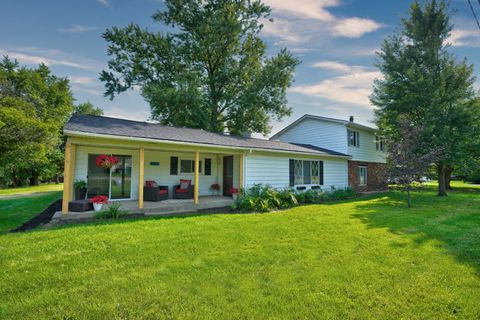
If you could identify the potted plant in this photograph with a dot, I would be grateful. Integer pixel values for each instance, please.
(234, 192)
(215, 188)
(106, 161)
(80, 187)
(98, 202)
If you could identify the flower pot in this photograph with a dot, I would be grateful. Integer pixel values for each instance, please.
(234, 196)
(97, 207)
(80, 193)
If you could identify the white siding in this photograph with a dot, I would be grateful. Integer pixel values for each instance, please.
(367, 150)
(324, 134)
(81, 163)
(161, 173)
(273, 170)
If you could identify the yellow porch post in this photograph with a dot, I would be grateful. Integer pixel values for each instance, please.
(195, 181)
(141, 177)
(240, 172)
(70, 154)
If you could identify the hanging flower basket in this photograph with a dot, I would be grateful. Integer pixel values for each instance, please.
(106, 161)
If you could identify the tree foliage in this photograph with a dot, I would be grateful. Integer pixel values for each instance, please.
(407, 159)
(211, 71)
(423, 81)
(34, 105)
(88, 108)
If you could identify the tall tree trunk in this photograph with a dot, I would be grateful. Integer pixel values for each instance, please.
(34, 179)
(442, 189)
(448, 177)
(14, 178)
(409, 201)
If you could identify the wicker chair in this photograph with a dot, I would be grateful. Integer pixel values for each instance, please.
(182, 193)
(153, 192)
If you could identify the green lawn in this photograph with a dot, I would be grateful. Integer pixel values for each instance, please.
(16, 211)
(31, 189)
(370, 258)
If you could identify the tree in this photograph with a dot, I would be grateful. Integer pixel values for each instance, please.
(88, 108)
(423, 81)
(407, 161)
(210, 72)
(34, 105)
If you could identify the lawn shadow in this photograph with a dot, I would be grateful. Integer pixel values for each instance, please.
(453, 221)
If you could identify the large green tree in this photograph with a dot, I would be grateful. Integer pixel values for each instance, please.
(211, 71)
(34, 105)
(423, 81)
(88, 108)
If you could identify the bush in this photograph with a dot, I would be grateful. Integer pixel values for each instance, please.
(264, 198)
(113, 211)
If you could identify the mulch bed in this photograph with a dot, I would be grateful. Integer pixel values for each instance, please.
(44, 217)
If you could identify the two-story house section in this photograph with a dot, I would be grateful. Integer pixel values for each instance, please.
(367, 165)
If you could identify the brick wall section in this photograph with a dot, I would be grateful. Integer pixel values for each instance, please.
(376, 176)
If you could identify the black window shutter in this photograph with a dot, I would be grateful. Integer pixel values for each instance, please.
(292, 172)
(208, 167)
(173, 166)
(320, 171)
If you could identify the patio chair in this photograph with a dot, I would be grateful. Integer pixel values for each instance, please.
(153, 192)
(184, 190)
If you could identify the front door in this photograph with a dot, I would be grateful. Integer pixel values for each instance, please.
(227, 175)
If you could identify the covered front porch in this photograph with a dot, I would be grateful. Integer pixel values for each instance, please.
(166, 164)
(170, 207)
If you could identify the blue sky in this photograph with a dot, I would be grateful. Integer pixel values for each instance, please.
(335, 39)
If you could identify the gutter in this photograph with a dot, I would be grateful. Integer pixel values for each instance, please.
(129, 138)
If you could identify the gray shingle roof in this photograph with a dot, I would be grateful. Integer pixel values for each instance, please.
(128, 128)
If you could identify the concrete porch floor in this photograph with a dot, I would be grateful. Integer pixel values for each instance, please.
(168, 207)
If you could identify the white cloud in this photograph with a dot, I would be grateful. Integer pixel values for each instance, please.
(336, 66)
(106, 3)
(464, 38)
(77, 29)
(353, 87)
(312, 9)
(50, 57)
(281, 29)
(83, 80)
(354, 27)
(301, 22)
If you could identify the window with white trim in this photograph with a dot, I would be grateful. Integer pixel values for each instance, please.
(353, 138)
(188, 166)
(362, 175)
(306, 172)
(380, 143)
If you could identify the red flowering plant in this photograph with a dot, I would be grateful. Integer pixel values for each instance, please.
(99, 199)
(233, 190)
(106, 161)
(215, 187)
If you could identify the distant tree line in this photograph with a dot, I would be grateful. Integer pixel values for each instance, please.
(34, 106)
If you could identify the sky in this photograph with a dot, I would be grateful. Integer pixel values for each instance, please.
(336, 41)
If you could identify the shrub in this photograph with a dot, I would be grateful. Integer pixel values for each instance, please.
(113, 211)
(264, 198)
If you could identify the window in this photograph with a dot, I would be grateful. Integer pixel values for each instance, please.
(208, 167)
(306, 172)
(188, 166)
(380, 143)
(353, 138)
(362, 176)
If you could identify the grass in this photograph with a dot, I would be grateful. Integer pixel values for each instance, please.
(31, 189)
(367, 259)
(16, 211)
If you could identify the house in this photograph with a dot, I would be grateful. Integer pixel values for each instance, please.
(166, 154)
(367, 165)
